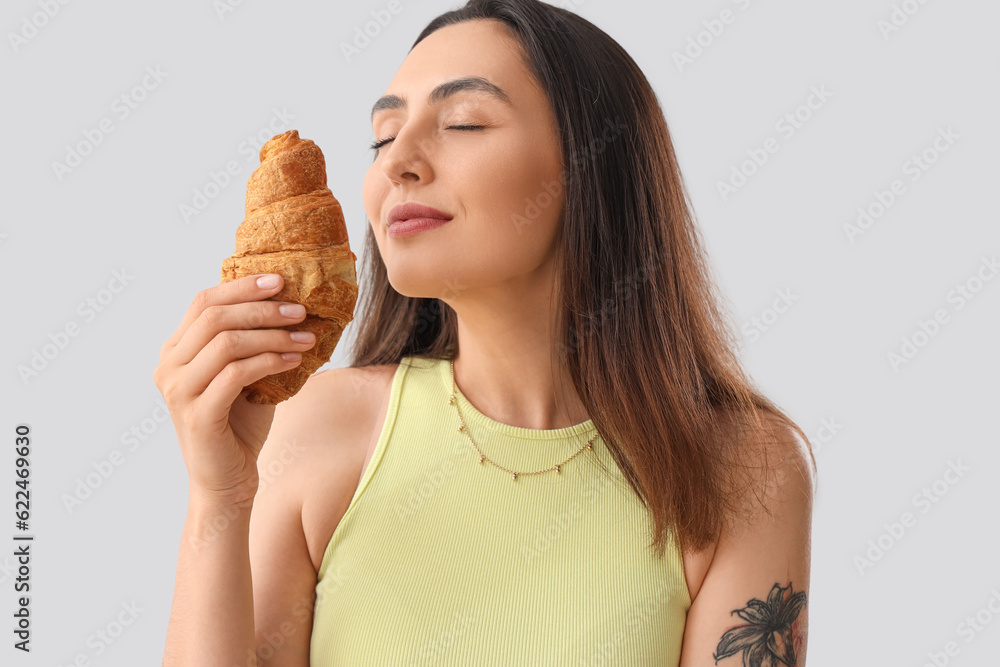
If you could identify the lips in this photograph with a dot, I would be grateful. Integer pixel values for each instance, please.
(414, 210)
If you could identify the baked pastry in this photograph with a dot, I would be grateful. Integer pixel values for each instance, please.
(295, 227)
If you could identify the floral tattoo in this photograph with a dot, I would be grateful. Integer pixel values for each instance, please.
(771, 636)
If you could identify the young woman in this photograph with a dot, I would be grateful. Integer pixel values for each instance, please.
(544, 451)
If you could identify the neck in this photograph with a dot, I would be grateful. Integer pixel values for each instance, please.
(506, 366)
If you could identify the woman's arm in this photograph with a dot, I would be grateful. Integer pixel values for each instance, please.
(752, 608)
(211, 620)
(309, 456)
(221, 616)
(220, 347)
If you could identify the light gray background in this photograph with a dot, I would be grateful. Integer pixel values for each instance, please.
(824, 359)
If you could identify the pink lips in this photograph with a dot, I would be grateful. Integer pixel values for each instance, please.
(414, 225)
(410, 218)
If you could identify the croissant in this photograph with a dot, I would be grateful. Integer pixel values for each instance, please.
(295, 227)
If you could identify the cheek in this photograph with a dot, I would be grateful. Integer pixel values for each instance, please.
(529, 177)
(372, 194)
(520, 196)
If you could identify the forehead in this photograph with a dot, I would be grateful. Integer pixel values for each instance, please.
(484, 44)
(480, 49)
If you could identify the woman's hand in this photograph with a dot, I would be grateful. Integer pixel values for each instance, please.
(222, 345)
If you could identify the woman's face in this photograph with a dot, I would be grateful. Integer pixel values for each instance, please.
(502, 184)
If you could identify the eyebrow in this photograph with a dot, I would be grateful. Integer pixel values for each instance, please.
(443, 91)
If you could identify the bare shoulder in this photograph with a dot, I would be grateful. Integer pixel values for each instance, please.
(777, 462)
(780, 468)
(327, 427)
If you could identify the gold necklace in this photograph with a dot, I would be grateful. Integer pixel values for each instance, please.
(452, 400)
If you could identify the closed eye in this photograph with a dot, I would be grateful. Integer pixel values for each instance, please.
(377, 144)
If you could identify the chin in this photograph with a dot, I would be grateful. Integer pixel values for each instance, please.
(425, 270)
(418, 280)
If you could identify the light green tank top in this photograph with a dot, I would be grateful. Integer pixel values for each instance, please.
(441, 560)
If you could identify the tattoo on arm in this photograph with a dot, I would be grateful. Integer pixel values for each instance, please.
(771, 635)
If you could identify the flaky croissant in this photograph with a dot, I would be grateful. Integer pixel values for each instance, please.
(295, 227)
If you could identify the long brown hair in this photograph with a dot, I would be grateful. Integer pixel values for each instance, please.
(640, 329)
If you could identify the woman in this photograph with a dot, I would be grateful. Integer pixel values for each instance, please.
(544, 451)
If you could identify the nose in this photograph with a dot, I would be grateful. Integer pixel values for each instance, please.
(407, 157)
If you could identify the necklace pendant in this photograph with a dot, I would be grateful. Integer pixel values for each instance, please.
(557, 470)
(461, 427)
(481, 458)
(514, 477)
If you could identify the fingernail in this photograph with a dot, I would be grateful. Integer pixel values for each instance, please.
(292, 309)
(302, 336)
(268, 281)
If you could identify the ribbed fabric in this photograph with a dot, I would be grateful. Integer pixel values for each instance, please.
(441, 560)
